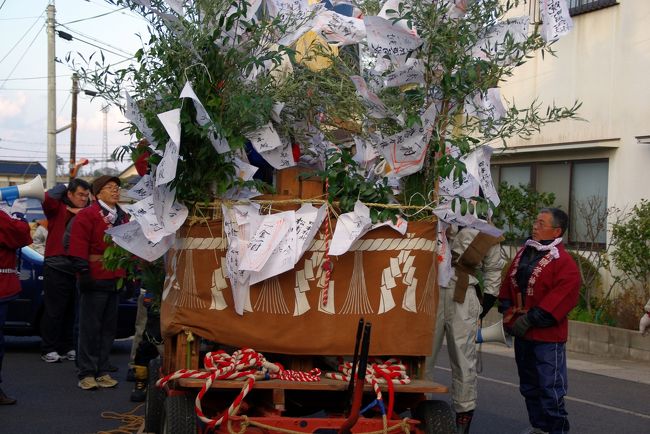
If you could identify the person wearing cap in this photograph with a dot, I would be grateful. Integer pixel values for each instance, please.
(60, 206)
(14, 234)
(99, 293)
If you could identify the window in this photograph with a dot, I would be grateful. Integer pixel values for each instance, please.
(577, 7)
(580, 188)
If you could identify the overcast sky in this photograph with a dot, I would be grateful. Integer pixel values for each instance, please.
(23, 76)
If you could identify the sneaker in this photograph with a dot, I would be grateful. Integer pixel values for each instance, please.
(70, 355)
(52, 357)
(88, 383)
(106, 381)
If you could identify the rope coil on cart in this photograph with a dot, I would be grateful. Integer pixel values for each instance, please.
(390, 372)
(245, 364)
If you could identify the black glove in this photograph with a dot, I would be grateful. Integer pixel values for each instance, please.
(488, 302)
(520, 327)
(86, 282)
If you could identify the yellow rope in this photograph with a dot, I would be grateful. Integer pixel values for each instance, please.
(403, 425)
(132, 422)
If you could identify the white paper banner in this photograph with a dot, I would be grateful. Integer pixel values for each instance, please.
(267, 237)
(142, 189)
(129, 236)
(386, 39)
(486, 105)
(132, 113)
(265, 138)
(411, 72)
(166, 169)
(350, 227)
(376, 107)
(283, 257)
(337, 28)
(202, 116)
(171, 120)
(280, 158)
(308, 220)
(556, 20)
(478, 164)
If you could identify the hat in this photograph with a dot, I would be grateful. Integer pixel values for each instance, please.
(100, 182)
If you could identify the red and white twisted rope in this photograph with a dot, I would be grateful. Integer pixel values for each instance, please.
(327, 262)
(245, 363)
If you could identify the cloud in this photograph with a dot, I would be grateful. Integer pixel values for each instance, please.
(12, 107)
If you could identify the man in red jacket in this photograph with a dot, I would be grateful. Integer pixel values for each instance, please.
(538, 292)
(60, 206)
(14, 234)
(99, 294)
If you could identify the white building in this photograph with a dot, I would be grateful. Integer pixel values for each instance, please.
(604, 62)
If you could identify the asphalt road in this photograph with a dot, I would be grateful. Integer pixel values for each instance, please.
(49, 400)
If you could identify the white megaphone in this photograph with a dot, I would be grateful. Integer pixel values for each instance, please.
(33, 189)
(494, 333)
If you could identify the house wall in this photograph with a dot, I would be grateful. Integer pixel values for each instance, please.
(604, 63)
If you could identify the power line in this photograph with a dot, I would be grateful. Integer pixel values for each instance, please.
(18, 18)
(96, 16)
(3, 3)
(23, 56)
(94, 39)
(22, 37)
(77, 38)
(33, 78)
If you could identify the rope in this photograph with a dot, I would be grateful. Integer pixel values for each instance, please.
(327, 263)
(132, 422)
(390, 372)
(245, 364)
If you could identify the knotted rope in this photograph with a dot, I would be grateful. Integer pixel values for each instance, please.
(245, 364)
(390, 372)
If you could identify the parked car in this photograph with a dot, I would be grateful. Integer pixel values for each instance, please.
(25, 312)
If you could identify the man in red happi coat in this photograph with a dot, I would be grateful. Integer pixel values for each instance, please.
(14, 234)
(540, 289)
(99, 293)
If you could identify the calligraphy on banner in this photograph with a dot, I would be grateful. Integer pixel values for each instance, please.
(556, 19)
(130, 237)
(386, 39)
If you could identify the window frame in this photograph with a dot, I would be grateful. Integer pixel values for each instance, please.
(580, 245)
(586, 6)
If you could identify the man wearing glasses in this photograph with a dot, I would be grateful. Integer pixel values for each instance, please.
(99, 296)
(539, 290)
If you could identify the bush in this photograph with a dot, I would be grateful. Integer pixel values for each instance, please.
(630, 237)
(625, 309)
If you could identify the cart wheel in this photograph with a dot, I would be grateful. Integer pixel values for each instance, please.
(155, 398)
(435, 417)
(179, 416)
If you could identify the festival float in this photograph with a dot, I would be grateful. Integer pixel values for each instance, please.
(305, 160)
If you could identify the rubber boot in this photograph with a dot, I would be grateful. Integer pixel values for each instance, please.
(139, 392)
(6, 400)
(463, 421)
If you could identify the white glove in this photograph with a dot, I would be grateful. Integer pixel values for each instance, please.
(644, 324)
(19, 206)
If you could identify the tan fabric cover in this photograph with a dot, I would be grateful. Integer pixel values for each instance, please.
(273, 327)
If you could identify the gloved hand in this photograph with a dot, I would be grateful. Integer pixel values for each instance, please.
(644, 324)
(86, 282)
(19, 208)
(521, 326)
(488, 302)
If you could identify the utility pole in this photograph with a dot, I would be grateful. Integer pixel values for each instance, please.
(73, 126)
(50, 179)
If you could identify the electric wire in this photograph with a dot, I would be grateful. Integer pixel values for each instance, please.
(22, 37)
(77, 38)
(23, 56)
(95, 16)
(95, 40)
(3, 3)
(33, 78)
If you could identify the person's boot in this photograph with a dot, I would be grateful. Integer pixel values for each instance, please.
(463, 421)
(139, 392)
(6, 400)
